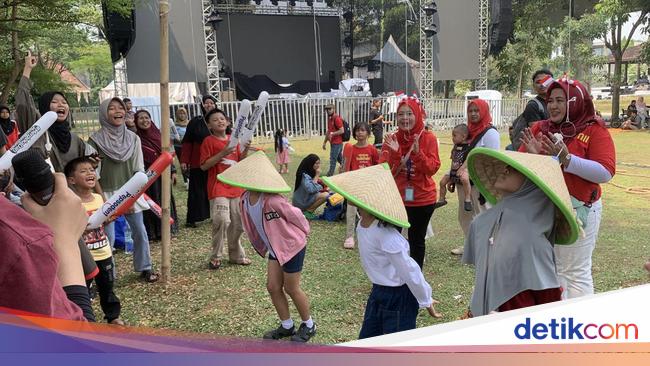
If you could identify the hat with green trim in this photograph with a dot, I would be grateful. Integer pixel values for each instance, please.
(485, 166)
(255, 173)
(372, 189)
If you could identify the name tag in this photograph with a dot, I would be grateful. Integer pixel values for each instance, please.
(408, 194)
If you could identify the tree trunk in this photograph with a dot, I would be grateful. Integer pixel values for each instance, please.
(11, 80)
(616, 84)
(520, 78)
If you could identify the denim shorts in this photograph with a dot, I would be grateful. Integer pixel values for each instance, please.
(294, 265)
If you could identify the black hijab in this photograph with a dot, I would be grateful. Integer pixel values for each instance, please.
(197, 129)
(60, 131)
(306, 166)
(5, 123)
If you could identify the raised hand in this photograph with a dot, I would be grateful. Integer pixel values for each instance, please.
(391, 142)
(532, 143)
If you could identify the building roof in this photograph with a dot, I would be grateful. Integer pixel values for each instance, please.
(631, 55)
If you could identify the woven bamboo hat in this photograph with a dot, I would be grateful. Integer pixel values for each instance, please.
(374, 190)
(485, 165)
(255, 173)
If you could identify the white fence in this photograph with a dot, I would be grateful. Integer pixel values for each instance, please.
(304, 118)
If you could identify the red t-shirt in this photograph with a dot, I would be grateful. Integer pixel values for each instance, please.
(360, 157)
(423, 166)
(210, 147)
(593, 143)
(335, 123)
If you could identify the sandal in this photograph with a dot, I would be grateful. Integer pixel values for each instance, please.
(242, 262)
(117, 321)
(214, 264)
(149, 276)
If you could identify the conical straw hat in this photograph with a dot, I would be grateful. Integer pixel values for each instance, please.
(255, 173)
(485, 165)
(374, 190)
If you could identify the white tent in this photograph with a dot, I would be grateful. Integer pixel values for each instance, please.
(179, 93)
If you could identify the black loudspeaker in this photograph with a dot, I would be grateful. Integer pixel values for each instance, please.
(501, 25)
(120, 31)
(373, 65)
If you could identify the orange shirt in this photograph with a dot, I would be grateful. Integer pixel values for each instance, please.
(210, 147)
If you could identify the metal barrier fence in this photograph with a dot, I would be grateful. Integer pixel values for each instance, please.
(304, 118)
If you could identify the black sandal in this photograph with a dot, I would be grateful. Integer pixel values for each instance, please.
(149, 276)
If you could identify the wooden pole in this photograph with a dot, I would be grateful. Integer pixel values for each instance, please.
(164, 127)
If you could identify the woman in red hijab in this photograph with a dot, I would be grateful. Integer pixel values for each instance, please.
(481, 134)
(585, 149)
(412, 154)
(151, 150)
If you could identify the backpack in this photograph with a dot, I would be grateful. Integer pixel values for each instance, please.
(520, 123)
(346, 130)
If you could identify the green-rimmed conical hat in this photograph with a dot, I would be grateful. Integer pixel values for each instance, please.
(485, 165)
(374, 190)
(255, 173)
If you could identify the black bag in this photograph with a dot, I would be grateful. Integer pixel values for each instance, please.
(520, 124)
(346, 131)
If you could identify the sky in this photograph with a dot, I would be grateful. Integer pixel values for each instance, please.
(638, 34)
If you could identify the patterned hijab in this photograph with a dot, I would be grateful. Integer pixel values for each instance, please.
(117, 142)
(580, 110)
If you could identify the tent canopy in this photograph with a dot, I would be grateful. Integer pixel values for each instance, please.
(398, 71)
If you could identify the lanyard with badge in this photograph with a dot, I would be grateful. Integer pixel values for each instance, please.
(409, 194)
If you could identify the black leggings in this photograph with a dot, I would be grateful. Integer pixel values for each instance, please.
(419, 219)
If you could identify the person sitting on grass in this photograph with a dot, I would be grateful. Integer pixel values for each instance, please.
(458, 155)
(399, 288)
(633, 122)
(511, 244)
(308, 194)
(275, 227)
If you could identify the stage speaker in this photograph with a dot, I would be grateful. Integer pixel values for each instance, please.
(501, 25)
(120, 31)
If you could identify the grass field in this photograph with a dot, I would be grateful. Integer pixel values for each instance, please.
(233, 300)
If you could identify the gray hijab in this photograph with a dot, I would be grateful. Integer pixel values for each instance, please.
(117, 142)
(520, 258)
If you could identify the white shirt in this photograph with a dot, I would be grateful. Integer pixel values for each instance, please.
(491, 140)
(385, 258)
(257, 216)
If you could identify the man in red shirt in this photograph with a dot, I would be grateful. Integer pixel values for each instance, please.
(334, 135)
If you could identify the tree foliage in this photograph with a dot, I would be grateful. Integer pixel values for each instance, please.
(59, 32)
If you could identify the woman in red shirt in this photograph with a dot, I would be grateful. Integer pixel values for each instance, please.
(412, 154)
(585, 149)
(357, 156)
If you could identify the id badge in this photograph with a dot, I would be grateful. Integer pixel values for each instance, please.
(408, 193)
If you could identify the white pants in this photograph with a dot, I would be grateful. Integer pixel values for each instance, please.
(573, 262)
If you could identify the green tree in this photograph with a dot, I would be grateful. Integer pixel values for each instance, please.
(614, 14)
(56, 30)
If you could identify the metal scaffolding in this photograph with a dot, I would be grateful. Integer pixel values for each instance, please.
(121, 82)
(483, 26)
(211, 55)
(301, 8)
(426, 61)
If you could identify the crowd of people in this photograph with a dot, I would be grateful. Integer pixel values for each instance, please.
(539, 207)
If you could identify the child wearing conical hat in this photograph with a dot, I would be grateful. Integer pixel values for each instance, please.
(399, 289)
(276, 227)
(510, 244)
